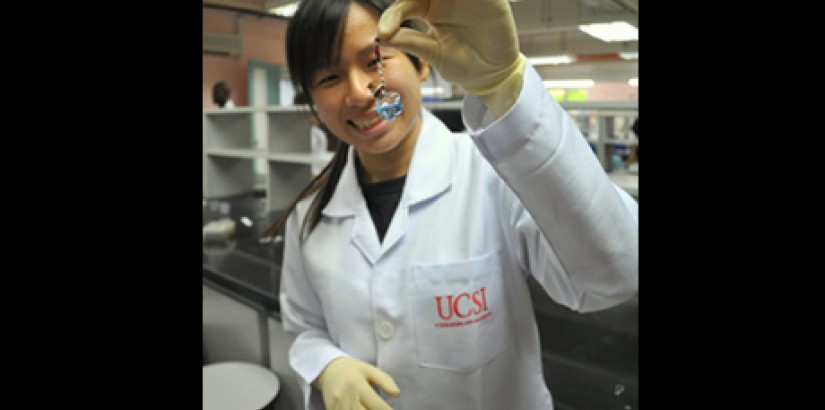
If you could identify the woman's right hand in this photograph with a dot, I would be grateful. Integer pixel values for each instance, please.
(347, 384)
(473, 43)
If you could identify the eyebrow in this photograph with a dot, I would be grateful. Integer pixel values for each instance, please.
(367, 50)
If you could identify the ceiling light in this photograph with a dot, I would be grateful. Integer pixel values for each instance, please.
(611, 32)
(569, 83)
(429, 91)
(283, 10)
(554, 60)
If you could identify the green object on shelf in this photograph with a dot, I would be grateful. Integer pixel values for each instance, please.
(575, 95)
(617, 162)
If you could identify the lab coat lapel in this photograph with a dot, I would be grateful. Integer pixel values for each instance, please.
(364, 236)
(348, 201)
(431, 167)
(429, 174)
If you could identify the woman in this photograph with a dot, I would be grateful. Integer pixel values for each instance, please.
(406, 261)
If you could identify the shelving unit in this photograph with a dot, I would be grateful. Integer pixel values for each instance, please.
(230, 151)
(606, 125)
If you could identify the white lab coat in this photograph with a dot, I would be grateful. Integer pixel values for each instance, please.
(443, 305)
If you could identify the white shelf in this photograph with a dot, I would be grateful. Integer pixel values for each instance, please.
(444, 105)
(235, 153)
(236, 140)
(228, 111)
(305, 159)
(290, 109)
(248, 110)
(291, 158)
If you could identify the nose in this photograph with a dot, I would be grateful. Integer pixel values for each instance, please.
(359, 93)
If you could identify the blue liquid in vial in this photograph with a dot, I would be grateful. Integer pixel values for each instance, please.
(389, 105)
(389, 110)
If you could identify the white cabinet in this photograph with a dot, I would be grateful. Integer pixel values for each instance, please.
(234, 139)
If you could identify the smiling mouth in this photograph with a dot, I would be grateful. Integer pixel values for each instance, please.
(363, 124)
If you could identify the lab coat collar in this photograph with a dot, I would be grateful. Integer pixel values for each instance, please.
(431, 167)
(347, 197)
(430, 172)
(429, 175)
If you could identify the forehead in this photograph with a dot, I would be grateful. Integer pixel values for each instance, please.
(361, 27)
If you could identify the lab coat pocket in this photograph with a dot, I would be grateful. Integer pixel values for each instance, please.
(460, 317)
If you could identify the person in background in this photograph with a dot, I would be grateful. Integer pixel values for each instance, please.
(221, 95)
(406, 261)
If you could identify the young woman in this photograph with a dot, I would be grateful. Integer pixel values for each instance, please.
(406, 261)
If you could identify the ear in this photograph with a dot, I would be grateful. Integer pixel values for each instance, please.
(425, 71)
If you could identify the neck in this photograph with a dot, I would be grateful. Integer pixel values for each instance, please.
(389, 165)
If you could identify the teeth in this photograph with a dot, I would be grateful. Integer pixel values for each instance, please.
(366, 123)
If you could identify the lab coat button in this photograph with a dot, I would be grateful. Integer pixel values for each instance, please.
(386, 330)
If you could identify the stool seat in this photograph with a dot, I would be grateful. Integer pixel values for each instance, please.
(238, 386)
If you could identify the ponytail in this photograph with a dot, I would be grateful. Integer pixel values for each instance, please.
(324, 183)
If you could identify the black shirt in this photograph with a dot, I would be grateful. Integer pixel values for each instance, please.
(382, 199)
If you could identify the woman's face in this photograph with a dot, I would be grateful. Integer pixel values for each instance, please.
(344, 101)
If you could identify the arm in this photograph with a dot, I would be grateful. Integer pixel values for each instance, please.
(581, 241)
(573, 229)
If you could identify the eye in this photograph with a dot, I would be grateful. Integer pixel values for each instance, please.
(372, 62)
(327, 79)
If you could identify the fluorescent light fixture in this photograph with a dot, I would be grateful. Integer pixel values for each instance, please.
(629, 55)
(569, 83)
(633, 82)
(554, 60)
(286, 10)
(433, 91)
(611, 32)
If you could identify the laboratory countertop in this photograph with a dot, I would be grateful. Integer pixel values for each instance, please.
(596, 352)
(243, 264)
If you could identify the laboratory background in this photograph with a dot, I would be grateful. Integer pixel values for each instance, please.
(258, 155)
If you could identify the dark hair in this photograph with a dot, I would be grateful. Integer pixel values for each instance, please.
(313, 41)
(220, 93)
(300, 99)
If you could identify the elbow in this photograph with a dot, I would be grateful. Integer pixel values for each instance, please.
(617, 285)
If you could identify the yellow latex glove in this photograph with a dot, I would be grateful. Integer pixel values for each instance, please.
(473, 43)
(346, 384)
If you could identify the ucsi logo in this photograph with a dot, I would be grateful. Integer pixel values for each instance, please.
(462, 309)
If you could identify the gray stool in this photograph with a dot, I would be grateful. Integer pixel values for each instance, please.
(238, 386)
